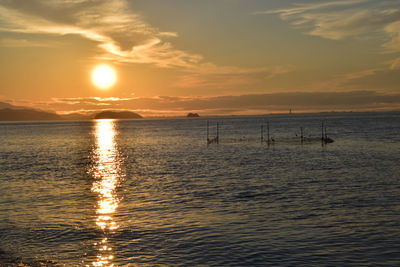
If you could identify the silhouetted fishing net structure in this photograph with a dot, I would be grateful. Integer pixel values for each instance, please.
(229, 135)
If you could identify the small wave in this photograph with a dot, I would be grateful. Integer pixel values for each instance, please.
(9, 260)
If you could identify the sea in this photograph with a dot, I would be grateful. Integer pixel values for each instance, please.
(153, 192)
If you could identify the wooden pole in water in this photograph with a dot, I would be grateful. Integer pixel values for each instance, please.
(269, 139)
(262, 134)
(322, 133)
(208, 132)
(301, 134)
(217, 133)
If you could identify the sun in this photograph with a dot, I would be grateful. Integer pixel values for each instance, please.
(103, 76)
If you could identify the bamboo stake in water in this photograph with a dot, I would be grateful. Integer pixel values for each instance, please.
(217, 133)
(301, 134)
(208, 133)
(262, 134)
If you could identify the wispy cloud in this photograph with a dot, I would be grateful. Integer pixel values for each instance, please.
(381, 79)
(394, 64)
(301, 8)
(121, 34)
(342, 82)
(10, 42)
(393, 30)
(337, 20)
(212, 76)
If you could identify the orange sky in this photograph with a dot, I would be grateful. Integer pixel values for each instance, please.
(212, 56)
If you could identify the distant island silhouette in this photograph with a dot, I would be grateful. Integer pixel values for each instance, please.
(117, 115)
(8, 114)
(192, 115)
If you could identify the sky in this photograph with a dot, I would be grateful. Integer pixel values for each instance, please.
(214, 57)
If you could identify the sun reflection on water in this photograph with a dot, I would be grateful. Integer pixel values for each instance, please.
(107, 175)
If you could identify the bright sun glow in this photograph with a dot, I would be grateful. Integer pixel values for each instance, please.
(103, 76)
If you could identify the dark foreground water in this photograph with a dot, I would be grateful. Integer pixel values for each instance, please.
(151, 192)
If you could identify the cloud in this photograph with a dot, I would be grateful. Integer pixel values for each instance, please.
(394, 64)
(10, 42)
(123, 35)
(211, 76)
(230, 104)
(301, 8)
(393, 30)
(338, 20)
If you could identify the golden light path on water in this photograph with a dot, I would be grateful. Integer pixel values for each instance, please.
(107, 175)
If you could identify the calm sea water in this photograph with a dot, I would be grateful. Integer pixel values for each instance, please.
(152, 193)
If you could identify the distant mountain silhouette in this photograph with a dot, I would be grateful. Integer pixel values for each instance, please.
(4, 105)
(192, 115)
(9, 114)
(117, 115)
